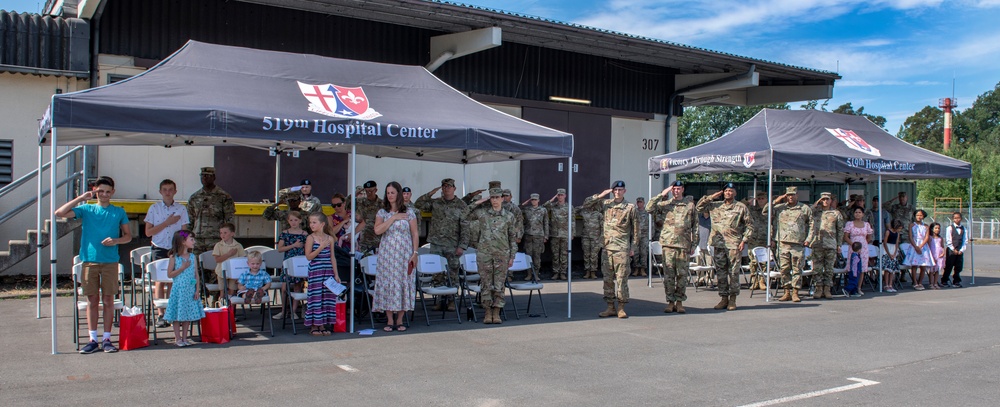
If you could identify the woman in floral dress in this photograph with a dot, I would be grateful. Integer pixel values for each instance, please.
(395, 285)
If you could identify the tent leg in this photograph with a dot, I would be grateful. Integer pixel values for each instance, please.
(569, 240)
(53, 237)
(277, 187)
(649, 232)
(881, 269)
(770, 191)
(972, 257)
(38, 237)
(354, 166)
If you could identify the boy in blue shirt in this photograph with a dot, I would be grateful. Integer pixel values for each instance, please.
(105, 226)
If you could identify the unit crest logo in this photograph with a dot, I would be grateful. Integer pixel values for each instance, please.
(749, 159)
(338, 101)
(854, 141)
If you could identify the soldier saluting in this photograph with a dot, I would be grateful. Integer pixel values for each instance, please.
(793, 222)
(679, 236)
(621, 234)
(731, 229)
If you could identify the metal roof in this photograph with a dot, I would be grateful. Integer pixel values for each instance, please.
(44, 45)
(454, 17)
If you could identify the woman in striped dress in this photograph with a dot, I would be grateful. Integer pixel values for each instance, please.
(321, 302)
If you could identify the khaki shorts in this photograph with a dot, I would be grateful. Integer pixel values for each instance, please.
(100, 278)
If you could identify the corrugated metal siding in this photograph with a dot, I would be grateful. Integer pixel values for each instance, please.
(154, 29)
(35, 41)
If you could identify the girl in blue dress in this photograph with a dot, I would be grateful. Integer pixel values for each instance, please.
(184, 305)
(292, 242)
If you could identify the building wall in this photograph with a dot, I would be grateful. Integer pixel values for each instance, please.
(633, 142)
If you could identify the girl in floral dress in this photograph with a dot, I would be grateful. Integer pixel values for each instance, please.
(292, 242)
(918, 257)
(184, 304)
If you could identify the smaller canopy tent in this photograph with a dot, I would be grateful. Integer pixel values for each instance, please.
(812, 144)
(207, 94)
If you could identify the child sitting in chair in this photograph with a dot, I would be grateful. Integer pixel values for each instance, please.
(853, 286)
(254, 283)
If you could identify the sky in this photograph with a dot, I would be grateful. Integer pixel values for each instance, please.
(895, 56)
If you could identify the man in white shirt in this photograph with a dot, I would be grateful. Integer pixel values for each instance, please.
(163, 219)
(956, 240)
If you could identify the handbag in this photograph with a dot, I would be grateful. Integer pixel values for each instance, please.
(340, 324)
(132, 333)
(215, 326)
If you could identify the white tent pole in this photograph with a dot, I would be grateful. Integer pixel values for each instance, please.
(569, 239)
(972, 257)
(767, 244)
(465, 177)
(53, 235)
(354, 209)
(277, 187)
(881, 229)
(38, 235)
(649, 232)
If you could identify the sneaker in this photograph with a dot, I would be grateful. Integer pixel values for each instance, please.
(108, 347)
(957, 285)
(90, 348)
(161, 323)
(278, 316)
(946, 285)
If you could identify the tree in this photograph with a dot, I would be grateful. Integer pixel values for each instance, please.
(702, 124)
(846, 108)
(924, 129)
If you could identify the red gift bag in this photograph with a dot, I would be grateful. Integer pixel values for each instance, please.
(215, 326)
(132, 333)
(341, 324)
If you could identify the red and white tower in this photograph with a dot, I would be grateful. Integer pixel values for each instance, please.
(947, 104)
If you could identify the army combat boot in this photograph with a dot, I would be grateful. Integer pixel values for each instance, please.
(621, 311)
(795, 295)
(487, 315)
(818, 293)
(732, 303)
(496, 316)
(826, 292)
(609, 312)
(723, 303)
(786, 296)
(642, 272)
(669, 308)
(679, 308)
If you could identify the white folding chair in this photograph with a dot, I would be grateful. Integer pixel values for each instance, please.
(656, 251)
(295, 267)
(81, 306)
(156, 272)
(695, 269)
(258, 249)
(369, 272)
(522, 262)
(767, 269)
(274, 260)
(208, 266)
(425, 249)
(469, 273)
(138, 268)
(232, 269)
(840, 272)
(429, 265)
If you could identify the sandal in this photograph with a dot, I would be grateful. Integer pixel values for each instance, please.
(401, 328)
(325, 332)
(389, 328)
(316, 332)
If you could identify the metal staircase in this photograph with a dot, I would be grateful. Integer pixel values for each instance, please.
(19, 250)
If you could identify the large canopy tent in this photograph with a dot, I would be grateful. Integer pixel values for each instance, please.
(811, 144)
(213, 95)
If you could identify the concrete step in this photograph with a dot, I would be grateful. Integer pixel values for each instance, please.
(18, 250)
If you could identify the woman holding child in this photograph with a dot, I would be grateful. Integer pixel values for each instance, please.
(859, 231)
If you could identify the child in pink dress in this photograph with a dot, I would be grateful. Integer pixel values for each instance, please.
(937, 253)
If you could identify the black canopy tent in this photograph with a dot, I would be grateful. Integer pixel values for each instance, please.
(213, 95)
(811, 144)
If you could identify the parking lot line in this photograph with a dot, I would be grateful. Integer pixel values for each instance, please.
(860, 383)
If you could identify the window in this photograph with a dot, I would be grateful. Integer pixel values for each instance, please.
(6, 161)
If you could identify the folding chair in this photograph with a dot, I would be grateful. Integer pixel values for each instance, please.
(369, 273)
(429, 265)
(808, 271)
(696, 269)
(233, 268)
(156, 272)
(297, 267)
(469, 274)
(871, 277)
(208, 265)
(840, 272)
(522, 262)
(258, 249)
(81, 306)
(137, 268)
(656, 251)
(425, 249)
(274, 260)
(767, 269)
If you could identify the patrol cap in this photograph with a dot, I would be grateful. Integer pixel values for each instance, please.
(791, 190)
(762, 194)
(407, 189)
(448, 181)
(494, 184)
(640, 199)
(306, 182)
(506, 192)
(874, 198)
(534, 196)
(370, 184)
(618, 184)
(677, 184)
(561, 191)
(496, 192)
(207, 170)
(729, 185)
(826, 195)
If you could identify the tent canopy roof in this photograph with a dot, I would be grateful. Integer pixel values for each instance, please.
(812, 144)
(216, 95)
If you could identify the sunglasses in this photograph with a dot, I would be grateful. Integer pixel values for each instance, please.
(337, 205)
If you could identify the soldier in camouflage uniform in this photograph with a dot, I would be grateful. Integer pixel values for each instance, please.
(446, 235)
(508, 204)
(902, 211)
(477, 205)
(368, 206)
(496, 248)
(640, 260)
(591, 237)
(275, 213)
(829, 224)
(558, 223)
(793, 225)
(731, 230)
(209, 208)
(408, 201)
(678, 237)
(310, 203)
(536, 233)
(759, 237)
(621, 234)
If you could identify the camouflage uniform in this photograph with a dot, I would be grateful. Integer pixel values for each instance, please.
(558, 222)
(208, 210)
(591, 237)
(658, 218)
(731, 225)
(536, 231)
(621, 233)
(678, 237)
(446, 231)
(793, 225)
(902, 212)
(639, 261)
(367, 209)
(828, 234)
(495, 247)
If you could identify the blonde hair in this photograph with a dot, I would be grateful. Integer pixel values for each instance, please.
(255, 256)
